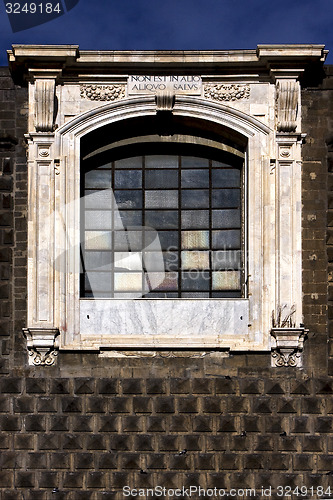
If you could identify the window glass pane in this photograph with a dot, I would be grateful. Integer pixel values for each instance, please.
(226, 218)
(98, 240)
(195, 219)
(161, 199)
(195, 295)
(161, 179)
(128, 240)
(194, 162)
(168, 240)
(98, 282)
(166, 219)
(195, 280)
(99, 261)
(125, 218)
(194, 206)
(195, 240)
(128, 199)
(224, 260)
(127, 179)
(98, 179)
(226, 239)
(225, 198)
(127, 295)
(230, 294)
(98, 199)
(170, 281)
(129, 282)
(195, 178)
(152, 261)
(195, 260)
(161, 295)
(130, 261)
(226, 280)
(195, 198)
(98, 219)
(106, 166)
(134, 162)
(225, 177)
(164, 161)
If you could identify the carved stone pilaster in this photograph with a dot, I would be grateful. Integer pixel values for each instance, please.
(165, 101)
(288, 346)
(45, 87)
(41, 345)
(286, 105)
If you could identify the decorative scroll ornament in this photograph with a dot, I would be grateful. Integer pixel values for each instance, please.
(286, 105)
(224, 92)
(41, 345)
(288, 347)
(102, 92)
(45, 97)
(42, 358)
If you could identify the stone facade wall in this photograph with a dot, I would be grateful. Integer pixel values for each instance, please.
(91, 425)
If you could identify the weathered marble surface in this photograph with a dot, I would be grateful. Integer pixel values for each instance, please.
(164, 317)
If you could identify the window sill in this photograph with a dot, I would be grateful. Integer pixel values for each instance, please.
(179, 323)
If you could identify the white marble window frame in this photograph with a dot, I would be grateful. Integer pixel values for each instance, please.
(273, 243)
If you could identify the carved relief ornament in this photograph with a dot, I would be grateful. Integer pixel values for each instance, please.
(227, 92)
(102, 92)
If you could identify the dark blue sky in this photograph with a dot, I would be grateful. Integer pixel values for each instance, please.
(180, 24)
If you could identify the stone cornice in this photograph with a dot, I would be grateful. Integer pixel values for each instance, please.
(261, 60)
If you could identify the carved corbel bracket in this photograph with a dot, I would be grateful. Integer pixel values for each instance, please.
(45, 87)
(41, 345)
(165, 101)
(287, 93)
(288, 347)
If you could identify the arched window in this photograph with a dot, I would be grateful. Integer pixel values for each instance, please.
(163, 220)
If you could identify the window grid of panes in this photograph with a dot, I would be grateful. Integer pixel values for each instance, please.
(194, 205)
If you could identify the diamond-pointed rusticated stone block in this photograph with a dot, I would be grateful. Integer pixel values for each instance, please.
(84, 386)
(84, 461)
(60, 386)
(131, 386)
(108, 423)
(225, 386)
(202, 423)
(71, 404)
(164, 404)
(180, 386)
(107, 386)
(201, 386)
(226, 424)
(35, 386)
(188, 404)
(142, 405)
(35, 423)
(229, 461)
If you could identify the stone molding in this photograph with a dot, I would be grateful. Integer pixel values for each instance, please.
(102, 92)
(227, 92)
(288, 347)
(41, 345)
